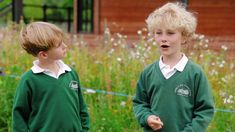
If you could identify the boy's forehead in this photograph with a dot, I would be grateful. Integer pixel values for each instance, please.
(166, 27)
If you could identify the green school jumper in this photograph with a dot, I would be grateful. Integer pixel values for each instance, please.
(183, 102)
(46, 104)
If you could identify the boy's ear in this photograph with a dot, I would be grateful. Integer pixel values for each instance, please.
(42, 54)
(184, 40)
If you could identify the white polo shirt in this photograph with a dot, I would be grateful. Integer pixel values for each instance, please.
(62, 69)
(168, 72)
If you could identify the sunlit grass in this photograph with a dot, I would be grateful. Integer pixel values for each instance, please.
(114, 65)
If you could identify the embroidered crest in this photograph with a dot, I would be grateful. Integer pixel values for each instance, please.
(73, 85)
(183, 90)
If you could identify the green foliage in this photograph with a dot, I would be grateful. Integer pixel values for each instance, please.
(114, 64)
(4, 19)
(52, 13)
(7, 92)
(34, 13)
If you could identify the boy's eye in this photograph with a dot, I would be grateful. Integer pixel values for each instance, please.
(158, 33)
(170, 33)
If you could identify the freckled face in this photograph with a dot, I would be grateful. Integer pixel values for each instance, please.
(169, 41)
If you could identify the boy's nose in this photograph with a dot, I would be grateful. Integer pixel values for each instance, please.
(163, 38)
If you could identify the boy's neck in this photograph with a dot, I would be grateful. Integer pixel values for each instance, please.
(172, 60)
(50, 65)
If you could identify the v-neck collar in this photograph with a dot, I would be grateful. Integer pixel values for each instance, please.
(161, 74)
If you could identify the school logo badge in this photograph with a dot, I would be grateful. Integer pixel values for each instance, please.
(73, 85)
(183, 90)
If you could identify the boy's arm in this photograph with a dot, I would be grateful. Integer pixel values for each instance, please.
(85, 121)
(204, 106)
(83, 112)
(21, 108)
(141, 104)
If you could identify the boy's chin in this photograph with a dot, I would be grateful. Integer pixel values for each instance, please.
(164, 53)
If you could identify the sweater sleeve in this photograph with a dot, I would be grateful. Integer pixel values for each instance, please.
(83, 111)
(141, 104)
(204, 105)
(21, 107)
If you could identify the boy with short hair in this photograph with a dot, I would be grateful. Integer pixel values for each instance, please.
(48, 97)
(173, 94)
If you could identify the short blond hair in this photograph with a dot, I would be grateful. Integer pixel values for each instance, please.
(40, 36)
(173, 16)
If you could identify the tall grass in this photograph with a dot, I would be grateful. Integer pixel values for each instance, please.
(114, 65)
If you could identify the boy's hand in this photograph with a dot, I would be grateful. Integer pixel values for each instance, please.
(154, 122)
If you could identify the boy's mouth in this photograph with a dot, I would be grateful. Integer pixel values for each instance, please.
(165, 46)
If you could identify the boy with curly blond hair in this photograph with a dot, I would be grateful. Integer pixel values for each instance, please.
(173, 94)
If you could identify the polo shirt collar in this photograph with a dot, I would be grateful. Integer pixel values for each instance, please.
(179, 66)
(37, 69)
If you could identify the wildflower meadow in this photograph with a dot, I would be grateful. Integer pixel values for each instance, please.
(109, 70)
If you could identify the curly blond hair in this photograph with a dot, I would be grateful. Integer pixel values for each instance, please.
(40, 36)
(173, 16)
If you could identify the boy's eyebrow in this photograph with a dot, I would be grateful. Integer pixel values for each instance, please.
(172, 30)
(158, 30)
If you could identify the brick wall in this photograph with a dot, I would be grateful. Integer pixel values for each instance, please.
(215, 17)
